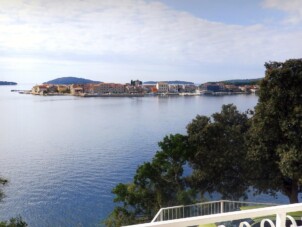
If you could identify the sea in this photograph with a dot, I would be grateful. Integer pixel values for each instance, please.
(63, 155)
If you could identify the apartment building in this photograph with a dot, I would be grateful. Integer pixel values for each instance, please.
(39, 89)
(76, 89)
(162, 87)
(109, 88)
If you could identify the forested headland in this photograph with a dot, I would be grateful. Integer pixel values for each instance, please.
(71, 80)
(7, 83)
(228, 153)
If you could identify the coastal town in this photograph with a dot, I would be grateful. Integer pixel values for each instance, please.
(137, 88)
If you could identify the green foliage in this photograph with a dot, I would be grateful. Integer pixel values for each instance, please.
(71, 80)
(276, 131)
(120, 216)
(7, 83)
(214, 148)
(14, 222)
(156, 184)
(218, 152)
(242, 82)
(2, 183)
(228, 153)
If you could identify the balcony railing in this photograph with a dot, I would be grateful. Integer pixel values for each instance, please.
(206, 208)
(274, 216)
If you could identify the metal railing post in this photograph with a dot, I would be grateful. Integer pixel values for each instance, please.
(280, 219)
(221, 206)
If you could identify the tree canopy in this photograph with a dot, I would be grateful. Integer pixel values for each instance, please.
(2, 183)
(214, 149)
(275, 136)
(156, 184)
(218, 151)
(13, 222)
(229, 153)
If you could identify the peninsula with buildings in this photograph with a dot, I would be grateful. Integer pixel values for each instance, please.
(137, 88)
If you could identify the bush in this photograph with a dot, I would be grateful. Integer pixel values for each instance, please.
(14, 222)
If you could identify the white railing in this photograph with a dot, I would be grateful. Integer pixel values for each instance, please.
(275, 216)
(206, 208)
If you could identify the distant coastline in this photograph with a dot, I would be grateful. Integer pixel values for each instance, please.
(87, 88)
(139, 89)
(7, 83)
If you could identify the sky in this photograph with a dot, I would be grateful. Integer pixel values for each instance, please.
(159, 40)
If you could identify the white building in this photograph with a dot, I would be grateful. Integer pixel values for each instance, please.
(162, 87)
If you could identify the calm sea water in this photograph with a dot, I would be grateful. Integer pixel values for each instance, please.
(63, 155)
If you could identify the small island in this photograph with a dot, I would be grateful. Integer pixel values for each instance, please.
(7, 83)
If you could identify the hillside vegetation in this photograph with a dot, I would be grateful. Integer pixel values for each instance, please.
(7, 83)
(71, 80)
(241, 82)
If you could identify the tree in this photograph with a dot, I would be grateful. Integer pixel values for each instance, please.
(2, 183)
(156, 184)
(275, 136)
(165, 174)
(14, 222)
(218, 152)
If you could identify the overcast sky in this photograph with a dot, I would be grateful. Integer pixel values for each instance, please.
(120, 40)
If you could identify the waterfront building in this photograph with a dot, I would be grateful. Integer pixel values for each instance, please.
(189, 88)
(136, 83)
(254, 88)
(39, 89)
(212, 87)
(63, 88)
(88, 88)
(102, 88)
(154, 90)
(232, 88)
(173, 88)
(162, 87)
(109, 88)
(149, 88)
(245, 88)
(76, 89)
(52, 88)
(131, 89)
(117, 88)
(249, 88)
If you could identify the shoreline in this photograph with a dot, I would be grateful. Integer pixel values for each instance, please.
(86, 95)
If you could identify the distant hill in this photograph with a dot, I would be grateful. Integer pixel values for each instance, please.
(7, 83)
(71, 80)
(240, 82)
(169, 82)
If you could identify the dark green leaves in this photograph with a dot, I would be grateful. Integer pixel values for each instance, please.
(275, 136)
(218, 159)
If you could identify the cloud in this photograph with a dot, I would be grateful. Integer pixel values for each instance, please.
(136, 32)
(293, 8)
